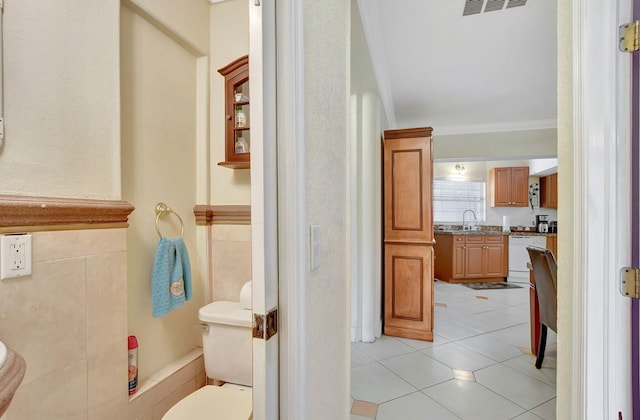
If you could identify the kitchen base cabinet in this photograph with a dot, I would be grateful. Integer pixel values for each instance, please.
(552, 244)
(471, 258)
(408, 306)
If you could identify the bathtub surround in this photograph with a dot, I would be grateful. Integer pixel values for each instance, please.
(168, 386)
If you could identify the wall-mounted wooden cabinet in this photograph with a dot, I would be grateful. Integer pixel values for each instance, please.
(509, 187)
(237, 115)
(549, 191)
(471, 258)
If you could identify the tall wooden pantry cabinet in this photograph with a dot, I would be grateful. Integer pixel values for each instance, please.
(408, 233)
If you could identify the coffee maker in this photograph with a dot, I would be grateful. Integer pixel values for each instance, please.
(542, 223)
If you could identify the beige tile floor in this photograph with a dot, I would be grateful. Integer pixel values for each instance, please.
(479, 365)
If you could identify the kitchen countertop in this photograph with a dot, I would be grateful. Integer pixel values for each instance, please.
(491, 233)
(470, 232)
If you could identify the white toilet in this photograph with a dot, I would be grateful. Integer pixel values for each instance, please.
(226, 342)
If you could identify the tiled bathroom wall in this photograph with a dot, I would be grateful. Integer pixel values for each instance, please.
(230, 259)
(69, 322)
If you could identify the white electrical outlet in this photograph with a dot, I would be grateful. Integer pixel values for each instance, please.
(15, 255)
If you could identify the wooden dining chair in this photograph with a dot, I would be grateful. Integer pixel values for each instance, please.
(544, 274)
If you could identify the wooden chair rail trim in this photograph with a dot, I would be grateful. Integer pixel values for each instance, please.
(222, 215)
(32, 211)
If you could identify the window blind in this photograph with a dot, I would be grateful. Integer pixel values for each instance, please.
(452, 198)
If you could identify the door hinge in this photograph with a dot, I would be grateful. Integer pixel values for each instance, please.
(629, 37)
(262, 331)
(630, 282)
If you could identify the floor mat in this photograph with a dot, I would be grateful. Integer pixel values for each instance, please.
(491, 285)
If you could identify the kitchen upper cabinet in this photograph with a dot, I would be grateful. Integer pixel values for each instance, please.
(408, 233)
(468, 258)
(549, 191)
(510, 187)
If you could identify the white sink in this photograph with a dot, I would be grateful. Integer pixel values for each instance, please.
(3, 353)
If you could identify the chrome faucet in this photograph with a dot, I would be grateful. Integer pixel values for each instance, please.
(464, 224)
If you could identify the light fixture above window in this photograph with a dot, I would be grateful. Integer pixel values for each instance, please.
(460, 169)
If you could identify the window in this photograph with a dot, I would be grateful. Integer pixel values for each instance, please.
(452, 198)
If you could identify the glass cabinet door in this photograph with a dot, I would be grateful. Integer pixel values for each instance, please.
(238, 116)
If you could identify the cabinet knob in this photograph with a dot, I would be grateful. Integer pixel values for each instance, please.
(229, 117)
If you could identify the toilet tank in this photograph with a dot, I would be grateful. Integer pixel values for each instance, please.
(227, 342)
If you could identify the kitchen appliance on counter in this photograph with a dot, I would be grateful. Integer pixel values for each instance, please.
(542, 223)
(553, 227)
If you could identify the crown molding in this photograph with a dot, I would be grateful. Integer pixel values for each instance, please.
(494, 127)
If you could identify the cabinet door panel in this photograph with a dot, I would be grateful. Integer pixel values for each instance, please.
(409, 291)
(474, 261)
(407, 183)
(458, 261)
(553, 191)
(520, 186)
(495, 261)
(501, 187)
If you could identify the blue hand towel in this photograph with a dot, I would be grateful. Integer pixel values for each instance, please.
(171, 277)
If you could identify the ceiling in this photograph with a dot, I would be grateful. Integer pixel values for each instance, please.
(493, 71)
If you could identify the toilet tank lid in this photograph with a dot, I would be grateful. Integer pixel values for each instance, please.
(225, 312)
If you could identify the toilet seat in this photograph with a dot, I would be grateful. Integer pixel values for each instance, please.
(213, 403)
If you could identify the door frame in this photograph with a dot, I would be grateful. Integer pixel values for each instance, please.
(593, 348)
(292, 230)
(594, 148)
(264, 205)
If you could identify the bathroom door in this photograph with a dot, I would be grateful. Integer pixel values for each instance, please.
(264, 242)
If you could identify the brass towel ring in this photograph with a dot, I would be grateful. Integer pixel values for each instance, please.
(161, 211)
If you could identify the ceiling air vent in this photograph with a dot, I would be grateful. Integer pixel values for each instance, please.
(494, 5)
(472, 7)
(516, 3)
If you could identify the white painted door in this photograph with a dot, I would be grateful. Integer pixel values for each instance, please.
(263, 204)
(635, 222)
(594, 357)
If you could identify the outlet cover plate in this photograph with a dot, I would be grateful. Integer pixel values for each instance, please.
(15, 255)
